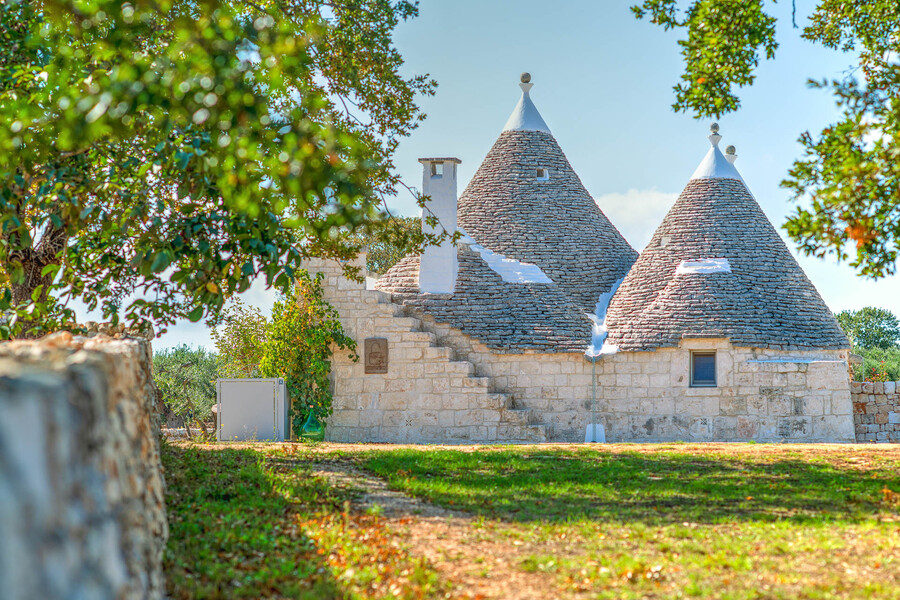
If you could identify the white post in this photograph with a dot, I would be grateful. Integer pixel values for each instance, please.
(439, 265)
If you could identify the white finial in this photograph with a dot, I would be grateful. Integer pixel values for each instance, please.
(731, 154)
(525, 117)
(716, 165)
(714, 137)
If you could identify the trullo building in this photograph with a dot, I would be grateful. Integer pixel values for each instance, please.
(522, 332)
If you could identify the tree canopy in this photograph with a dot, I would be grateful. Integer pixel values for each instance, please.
(870, 327)
(847, 182)
(158, 156)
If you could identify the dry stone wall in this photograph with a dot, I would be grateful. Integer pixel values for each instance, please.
(876, 411)
(82, 511)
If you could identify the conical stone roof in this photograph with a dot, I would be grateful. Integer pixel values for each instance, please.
(549, 220)
(717, 267)
(507, 317)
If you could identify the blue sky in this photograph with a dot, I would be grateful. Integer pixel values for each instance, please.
(603, 83)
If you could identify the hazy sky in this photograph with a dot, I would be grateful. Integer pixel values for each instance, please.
(603, 83)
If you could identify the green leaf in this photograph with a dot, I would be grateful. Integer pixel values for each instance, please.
(160, 262)
(196, 314)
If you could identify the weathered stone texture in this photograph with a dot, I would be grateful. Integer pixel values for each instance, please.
(876, 411)
(428, 395)
(506, 317)
(761, 394)
(447, 386)
(82, 511)
(766, 301)
(554, 224)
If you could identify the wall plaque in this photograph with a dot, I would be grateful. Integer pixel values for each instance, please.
(376, 355)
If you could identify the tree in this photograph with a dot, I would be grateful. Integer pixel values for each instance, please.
(300, 342)
(870, 327)
(186, 377)
(239, 334)
(386, 249)
(847, 183)
(157, 156)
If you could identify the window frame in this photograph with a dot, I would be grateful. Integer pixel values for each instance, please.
(437, 169)
(704, 383)
(545, 176)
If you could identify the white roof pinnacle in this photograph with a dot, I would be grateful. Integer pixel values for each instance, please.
(715, 165)
(525, 116)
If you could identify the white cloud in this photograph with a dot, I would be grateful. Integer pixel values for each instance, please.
(637, 213)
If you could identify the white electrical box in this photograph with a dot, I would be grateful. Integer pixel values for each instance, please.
(250, 410)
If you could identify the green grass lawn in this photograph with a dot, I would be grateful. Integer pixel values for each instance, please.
(672, 522)
(632, 521)
(246, 523)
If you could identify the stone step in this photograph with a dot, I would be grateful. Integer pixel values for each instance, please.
(517, 416)
(438, 352)
(419, 336)
(477, 382)
(460, 367)
(535, 433)
(498, 401)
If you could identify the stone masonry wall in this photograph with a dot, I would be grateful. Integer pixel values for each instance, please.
(762, 395)
(444, 386)
(876, 411)
(81, 487)
(427, 396)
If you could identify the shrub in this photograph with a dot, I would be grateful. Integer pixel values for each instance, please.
(879, 364)
(240, 335)
(299, 344)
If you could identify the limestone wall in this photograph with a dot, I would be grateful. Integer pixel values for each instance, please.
(762, 395)
(876, 411)
(555, 387)
(81, 488)
(426, 396)
(444, 386)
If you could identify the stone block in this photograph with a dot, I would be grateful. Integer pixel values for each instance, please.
(701, 428)
(724, 429)
(747, 428)
(733, 406)
(890, 387)
(794, 427)
(833, 428)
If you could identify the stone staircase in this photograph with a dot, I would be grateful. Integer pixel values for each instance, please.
(513, 424)
(431, 393)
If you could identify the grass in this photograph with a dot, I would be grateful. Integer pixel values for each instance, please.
(747, 522)
(249, 524)
(742, 522)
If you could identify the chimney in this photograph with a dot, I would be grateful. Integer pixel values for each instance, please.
(439, 265)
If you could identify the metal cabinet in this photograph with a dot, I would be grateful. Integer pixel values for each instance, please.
(252, 410)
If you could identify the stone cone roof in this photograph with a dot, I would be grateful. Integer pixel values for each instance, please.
(554, 224)
(508, 317)
(765, 301)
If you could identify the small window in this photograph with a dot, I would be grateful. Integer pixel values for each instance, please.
(703, 369)
(543, 174)
(437, 169)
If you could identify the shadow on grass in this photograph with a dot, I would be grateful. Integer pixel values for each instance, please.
(232, 534)
(550, 485)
